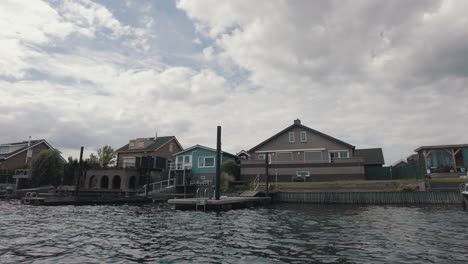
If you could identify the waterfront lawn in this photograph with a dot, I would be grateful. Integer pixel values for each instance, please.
(456, 180)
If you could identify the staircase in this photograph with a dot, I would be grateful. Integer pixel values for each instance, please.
(160, 187)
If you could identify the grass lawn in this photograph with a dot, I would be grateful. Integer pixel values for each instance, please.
(459, 180)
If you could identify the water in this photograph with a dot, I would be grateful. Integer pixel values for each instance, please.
(281, 234)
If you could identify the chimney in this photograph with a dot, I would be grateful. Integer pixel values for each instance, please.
(155, 135)
(297, 121)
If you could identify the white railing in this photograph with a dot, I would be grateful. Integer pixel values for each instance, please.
(174, 166)
(160, 185)
(256, 182)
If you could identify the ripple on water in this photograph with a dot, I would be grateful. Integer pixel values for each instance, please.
(281, 234)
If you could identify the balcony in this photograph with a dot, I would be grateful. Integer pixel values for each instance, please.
(355, 160)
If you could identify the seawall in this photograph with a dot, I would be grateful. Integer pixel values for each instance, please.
(369, 197)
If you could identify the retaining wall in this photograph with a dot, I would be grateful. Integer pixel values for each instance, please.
(369, 197)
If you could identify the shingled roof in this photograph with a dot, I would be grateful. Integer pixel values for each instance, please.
(372, 156)
(157, 143)
(26, 145)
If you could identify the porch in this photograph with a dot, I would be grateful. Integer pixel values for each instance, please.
(445, 161)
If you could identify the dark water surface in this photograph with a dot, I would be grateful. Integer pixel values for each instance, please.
(282, 234)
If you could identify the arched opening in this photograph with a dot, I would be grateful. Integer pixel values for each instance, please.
(104, 182)
(116, 182)
(132, 182)
(92, 182)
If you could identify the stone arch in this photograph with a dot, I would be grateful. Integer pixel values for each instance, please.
(132, 182)
(104, 182)
(92, 184)
(116, 182)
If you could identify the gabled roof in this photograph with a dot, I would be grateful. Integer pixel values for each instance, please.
(398, 162)
(371, 156)
(243, 152)
(441, 147)
(32, 143)
(159, 142)
(203, 147)
(298, 124)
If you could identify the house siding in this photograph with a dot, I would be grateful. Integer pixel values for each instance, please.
(19, 160)
(343, 169)
(163, 151)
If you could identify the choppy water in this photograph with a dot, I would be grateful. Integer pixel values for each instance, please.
(280, 234)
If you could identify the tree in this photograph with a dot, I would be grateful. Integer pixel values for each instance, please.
(93, 161)
(70, 171)
(231, 168)
(47, 168)
(106, 156)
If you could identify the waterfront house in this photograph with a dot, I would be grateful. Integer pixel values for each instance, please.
(197, 164)
(302, 153)
(139, 161)
(18, 155)
(444, 161)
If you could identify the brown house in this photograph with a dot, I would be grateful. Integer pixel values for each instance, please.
(302, 153)
(18, 155)
(151, 154)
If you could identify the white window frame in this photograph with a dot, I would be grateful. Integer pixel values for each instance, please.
(304, 133)
(4, 149)
(129, 162)
(171, 147)
(338, 151)
(183, 164)
(307, 174)
(204, 161)
(293, 138)
(261, 156)
(140, 144)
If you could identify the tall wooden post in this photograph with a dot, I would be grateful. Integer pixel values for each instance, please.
(80, 172)
(148, 172)
(267, 176)
(218, 164)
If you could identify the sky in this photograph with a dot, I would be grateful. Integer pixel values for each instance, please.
(389, 74)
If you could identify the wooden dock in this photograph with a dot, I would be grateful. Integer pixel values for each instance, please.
(82, 200)
(223, 204)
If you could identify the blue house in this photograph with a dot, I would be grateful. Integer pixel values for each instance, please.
(198, 164)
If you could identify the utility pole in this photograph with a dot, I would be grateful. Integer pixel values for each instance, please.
(80, 172)
(267, 180)
(218, 164)
(148, 160)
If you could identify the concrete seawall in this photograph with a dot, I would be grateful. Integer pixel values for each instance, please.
(369, 197)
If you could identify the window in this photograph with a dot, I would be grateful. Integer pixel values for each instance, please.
(313, 156)
(140, 144)
(4, 150)
(171, 147)
(284, 156)
(183, 162)
(206, 162)
(128, 162)
(291, 137)
(341, 154)
(303, 136)
(302, 174)
(132, 144)
(261, 156)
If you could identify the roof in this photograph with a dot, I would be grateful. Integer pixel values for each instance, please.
(159, 142)
(371, 155)
(31, 143)
(441, 147)
(398, 162)
(298, 124)
(207, 148)
(243, 152)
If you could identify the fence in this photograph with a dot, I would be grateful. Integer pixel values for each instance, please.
(370, 197)
(411, 170)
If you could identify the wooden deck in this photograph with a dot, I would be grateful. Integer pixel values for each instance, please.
(225, 203)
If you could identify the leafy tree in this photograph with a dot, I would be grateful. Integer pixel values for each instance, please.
(71, 170)
(92, 162)
(106, 156)
(47, 168)
(231, 168)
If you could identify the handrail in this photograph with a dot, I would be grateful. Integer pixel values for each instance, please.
(256, 182)
(161, 184)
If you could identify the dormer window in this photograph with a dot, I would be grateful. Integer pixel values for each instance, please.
(291, 137)
(132, 144)
(141, 144)
(171, 147)
(303, 136)
(4, 150)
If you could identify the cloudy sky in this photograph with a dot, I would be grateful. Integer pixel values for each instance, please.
(390, 74)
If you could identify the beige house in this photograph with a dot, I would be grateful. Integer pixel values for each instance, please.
(302, 153)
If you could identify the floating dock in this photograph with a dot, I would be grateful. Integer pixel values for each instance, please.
(224, 203)
(82, 200)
